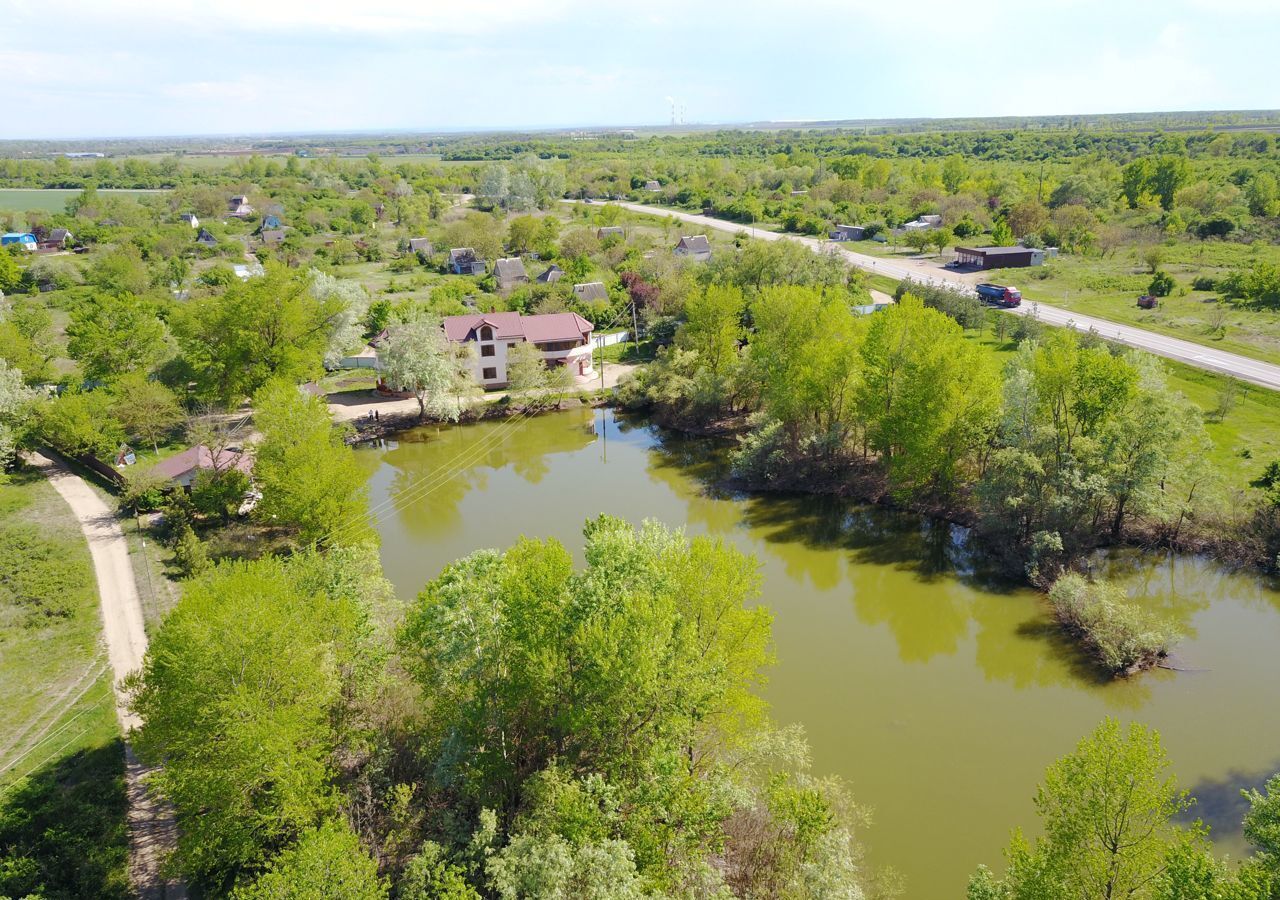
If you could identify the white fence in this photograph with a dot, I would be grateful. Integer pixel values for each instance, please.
(608, 340)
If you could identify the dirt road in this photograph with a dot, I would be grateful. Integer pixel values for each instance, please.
(1197, 355)
(347, 406)
(151, 825)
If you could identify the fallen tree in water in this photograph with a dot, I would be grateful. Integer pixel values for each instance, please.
(1121, 637)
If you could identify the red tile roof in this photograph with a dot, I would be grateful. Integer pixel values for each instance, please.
(200, 457)
(565, 326)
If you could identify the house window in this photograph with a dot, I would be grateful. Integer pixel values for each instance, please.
(488, 374)
(487, 350)
(486, 333)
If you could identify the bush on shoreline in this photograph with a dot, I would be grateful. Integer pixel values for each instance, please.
(1123, 638)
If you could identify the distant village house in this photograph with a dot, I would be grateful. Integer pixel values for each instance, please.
(55, 239)
(695, 247)
(463, 261)
(591, 290)
(24, 239)
(509, 272)
(847, 233)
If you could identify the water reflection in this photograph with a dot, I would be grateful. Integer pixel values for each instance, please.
(905, 658)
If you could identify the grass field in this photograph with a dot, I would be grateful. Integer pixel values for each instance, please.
(53, 668)
(52, 200)
(62, 800)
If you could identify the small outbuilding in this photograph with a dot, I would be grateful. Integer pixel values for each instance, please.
(591, 290)
(652, 186)
(421, 246)
(206, 239)
(463, 261)
(694, 246)
(551, 274)
(189, 219)
(509, 272)
(847, 233)
(610, 231)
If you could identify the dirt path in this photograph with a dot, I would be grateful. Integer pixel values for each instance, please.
(152, 830)
(347, 406)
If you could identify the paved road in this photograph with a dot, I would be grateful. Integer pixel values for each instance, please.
(152, 830)
(1198, 355)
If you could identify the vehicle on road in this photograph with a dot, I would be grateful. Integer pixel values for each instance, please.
(999, 295)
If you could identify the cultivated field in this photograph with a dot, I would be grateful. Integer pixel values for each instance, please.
(53, 200)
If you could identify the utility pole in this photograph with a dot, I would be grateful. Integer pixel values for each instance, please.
(635, 329)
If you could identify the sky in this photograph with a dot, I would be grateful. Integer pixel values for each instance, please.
(119, 68)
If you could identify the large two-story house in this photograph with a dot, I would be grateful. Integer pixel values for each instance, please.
(563, 338)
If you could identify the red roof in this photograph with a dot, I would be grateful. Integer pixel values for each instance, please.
(565, 326)
(200, 457)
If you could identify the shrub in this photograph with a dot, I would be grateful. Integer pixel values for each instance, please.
(219, 494)
(763, 455)
(1122, 637)
(1204, 283)
(1162, 284)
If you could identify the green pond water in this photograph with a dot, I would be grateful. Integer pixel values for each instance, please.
(937, 694)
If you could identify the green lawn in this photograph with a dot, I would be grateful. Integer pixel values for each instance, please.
(62, 805)
(1246, 439)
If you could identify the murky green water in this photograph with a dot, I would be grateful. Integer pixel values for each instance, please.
(938, 695)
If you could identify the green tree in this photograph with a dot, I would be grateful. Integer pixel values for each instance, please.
(265, 327)
(1107, 811)
(80, 423)
(628, 666)
(713, 326)
(219, 494)
(115, 335)
(121, 271)
(10, 274)
(327, 863)
(1262, 195)
(1262, 824)
(417, 357)
(805, 358)
(308, 475)
(1135, 181)
(1162, 284)
(147, 409)
(929, 397)
(1169, 173)
(1002, 234)
(15, 402)
(239, 695)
